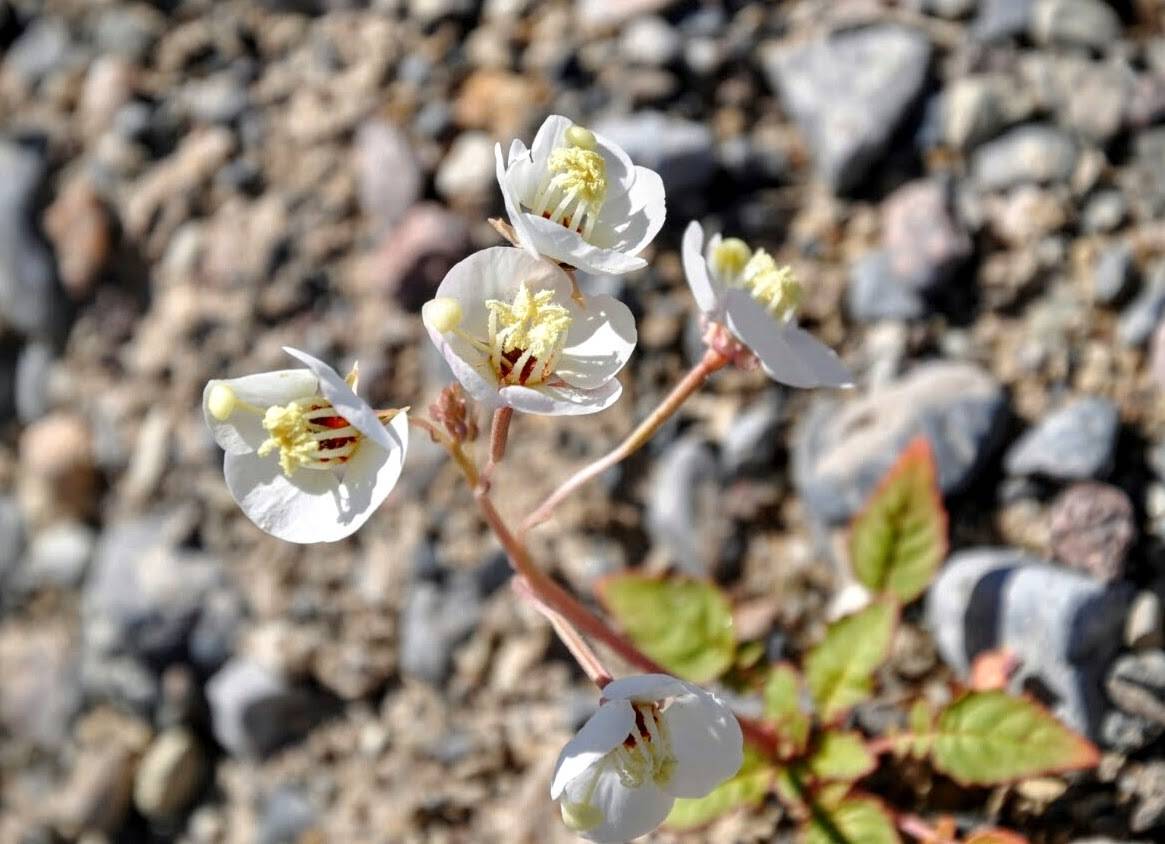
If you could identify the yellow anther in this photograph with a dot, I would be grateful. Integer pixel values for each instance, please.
(581, 172)
(221, 402)
(774, 287)
(443, 314)
(533, 324)
(581, 137)
(290, 435)
(579, 817)
(352, 379)
(729, 258)
(309, 434)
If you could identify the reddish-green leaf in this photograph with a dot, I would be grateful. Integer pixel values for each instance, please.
(840, 670)
(898, 540)
(685, 625)
(747, 788)
(857, 819)
(985, 738)
(843, 756)
(785, 709)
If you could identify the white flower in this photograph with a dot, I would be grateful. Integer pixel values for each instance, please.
(306, 458)
(513, 336)
(756, 300)
(654, 738)
(574, 196)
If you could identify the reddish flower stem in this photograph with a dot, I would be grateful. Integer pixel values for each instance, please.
(499, 435)
(712, 361)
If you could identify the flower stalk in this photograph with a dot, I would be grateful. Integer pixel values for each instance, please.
(711, 362)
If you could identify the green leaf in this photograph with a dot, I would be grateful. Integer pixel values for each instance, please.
(685, 625)
(841, 756)
(747, 788)
(840, 670)
(854, 820)
(783, 708)
(898, 540)
(985, 738)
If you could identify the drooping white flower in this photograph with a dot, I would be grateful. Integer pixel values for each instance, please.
(654, 738)
(513, 336)
(575, 197)
(306, 458)
(747, 293)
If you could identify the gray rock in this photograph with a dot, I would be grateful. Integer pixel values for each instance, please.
(221, 98)
(1112, 272)
(681, 151)
(685, 514)
(1063, 627)
(31, 298)
(41, 50)
(876, 292)
(129, 30)
(753, 440)
(1025, 154)
(33, 371)
(650, 41)
(1140, 318)
(848, 92)
(389, 174)
(434, 620)
(254, 712)
(1001, 19)
(288, 816)
(11, 537)
(978, 107)
(842, 450)
(57, 556)
(1136, 684)
(1105, 211)
(1074, 23)
(143, 595)
(1075, 442)
(1126, 733)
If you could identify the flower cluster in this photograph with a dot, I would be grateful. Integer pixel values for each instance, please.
(307, 460)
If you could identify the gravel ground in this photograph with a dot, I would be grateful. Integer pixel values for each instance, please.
(972, 192)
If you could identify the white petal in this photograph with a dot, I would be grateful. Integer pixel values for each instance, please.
(706, 291)
(562, 244)
(621, 173)
(498, 273)
(551, 135)
(706, 740)
(599, 344)
(561, 399)
(315, 505)
(470, 367)
(787, 353)
(603, 731)
(517, 151)
(629, 222)
(347, 403)
(512, 181)
(647, 688)
(628, 812)
(243, 430)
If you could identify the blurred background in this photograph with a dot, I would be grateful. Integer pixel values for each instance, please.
(972, 193)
